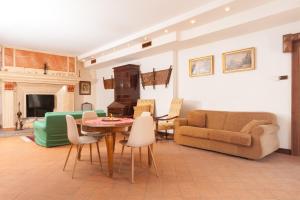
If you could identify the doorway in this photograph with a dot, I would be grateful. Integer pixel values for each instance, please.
(295, 97)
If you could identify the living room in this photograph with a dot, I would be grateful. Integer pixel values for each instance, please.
(223, 73)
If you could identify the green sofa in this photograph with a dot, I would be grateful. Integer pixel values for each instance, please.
(52, 131)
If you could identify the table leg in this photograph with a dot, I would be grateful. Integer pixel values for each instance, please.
(114, 140)
(149, 155)
(110, 152)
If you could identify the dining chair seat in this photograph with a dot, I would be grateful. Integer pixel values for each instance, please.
(87, 140)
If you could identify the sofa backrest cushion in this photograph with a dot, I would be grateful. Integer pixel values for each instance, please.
(197, 119)
(235, 121)
(215, 119)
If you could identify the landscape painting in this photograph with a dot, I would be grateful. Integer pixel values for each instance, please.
(201, 66)
(240, 60)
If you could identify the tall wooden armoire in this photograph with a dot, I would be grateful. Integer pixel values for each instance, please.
(127, 90)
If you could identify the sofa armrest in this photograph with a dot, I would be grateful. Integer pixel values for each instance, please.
(265, 139)
(260, 130)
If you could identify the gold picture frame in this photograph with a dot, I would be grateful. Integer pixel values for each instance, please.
(202, 66)
(239, 60)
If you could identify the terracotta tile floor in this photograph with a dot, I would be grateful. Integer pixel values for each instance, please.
(30, 172)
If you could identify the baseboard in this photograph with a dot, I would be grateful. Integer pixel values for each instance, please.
(8, 129)
(285, 151)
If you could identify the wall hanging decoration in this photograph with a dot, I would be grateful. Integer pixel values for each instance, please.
(19, 123)
(161, 77)
(45, 68)
(240, 60)
(84, 87)
(201, 66)
(108, 83)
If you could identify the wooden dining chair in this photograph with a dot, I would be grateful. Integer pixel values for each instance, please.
(141, 135)
(90, 115)
(78, 141)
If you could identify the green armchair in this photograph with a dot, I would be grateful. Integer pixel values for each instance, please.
(53, 130)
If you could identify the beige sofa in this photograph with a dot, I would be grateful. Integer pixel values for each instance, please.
(251, 135)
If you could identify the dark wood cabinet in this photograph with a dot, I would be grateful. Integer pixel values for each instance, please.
(126, 89)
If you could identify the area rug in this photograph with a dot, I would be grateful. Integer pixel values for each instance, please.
(31, 137)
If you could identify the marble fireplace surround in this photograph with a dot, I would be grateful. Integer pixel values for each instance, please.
(15, 87)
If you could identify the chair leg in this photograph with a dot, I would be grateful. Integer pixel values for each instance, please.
(153, 159)
(121, 159)
(68, 157)
(79, 149)
(140, 151)
(132, 165)
(91, 156)
(76, 158)
(97, 144)
(166, 132)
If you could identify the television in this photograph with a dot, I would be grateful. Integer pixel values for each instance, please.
(38, 104)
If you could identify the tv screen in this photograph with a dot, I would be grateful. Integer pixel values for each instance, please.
(37, 105)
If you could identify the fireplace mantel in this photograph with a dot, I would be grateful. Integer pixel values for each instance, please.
(64, 79)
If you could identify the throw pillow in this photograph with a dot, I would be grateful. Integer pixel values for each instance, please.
(197, 119)
(253, 123)
(138, 110)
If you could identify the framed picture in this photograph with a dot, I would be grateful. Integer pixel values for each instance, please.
(240, 60)
(202, 66)
(84, 88)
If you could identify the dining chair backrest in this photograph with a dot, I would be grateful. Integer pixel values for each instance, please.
(142, 132)
(86, 115)
(72, 130)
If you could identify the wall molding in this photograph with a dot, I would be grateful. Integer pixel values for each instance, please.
(38, 78)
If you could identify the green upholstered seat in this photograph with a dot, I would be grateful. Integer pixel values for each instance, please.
(53, 130)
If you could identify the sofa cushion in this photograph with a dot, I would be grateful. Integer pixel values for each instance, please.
(196, 119)
(230, 137)
(235, 121)
(253, 123)
(192, 131)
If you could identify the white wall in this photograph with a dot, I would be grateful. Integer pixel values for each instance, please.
(86, 75)
(162, 95)
(256, 90)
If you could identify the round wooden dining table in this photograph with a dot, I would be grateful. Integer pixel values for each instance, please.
(108, 127)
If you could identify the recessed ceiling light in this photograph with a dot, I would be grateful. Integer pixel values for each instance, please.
(166, 30)
(83, 60)
(145, 38)
(227, 9)
(193, 21)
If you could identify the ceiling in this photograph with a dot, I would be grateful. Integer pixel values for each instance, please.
(76, 27)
